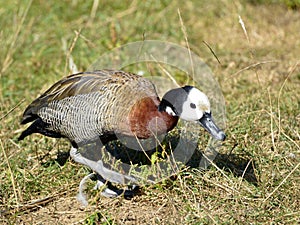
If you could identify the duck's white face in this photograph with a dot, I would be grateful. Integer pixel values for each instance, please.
(195, 105)
(191, 104)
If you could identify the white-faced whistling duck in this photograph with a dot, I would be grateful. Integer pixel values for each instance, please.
(108, 103)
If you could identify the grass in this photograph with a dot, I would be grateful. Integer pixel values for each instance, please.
(255, 178)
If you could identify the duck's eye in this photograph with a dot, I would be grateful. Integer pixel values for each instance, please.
(193, 106)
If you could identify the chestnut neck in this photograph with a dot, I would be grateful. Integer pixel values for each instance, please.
(146, 121)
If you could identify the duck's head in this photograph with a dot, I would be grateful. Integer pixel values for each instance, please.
(190, 104)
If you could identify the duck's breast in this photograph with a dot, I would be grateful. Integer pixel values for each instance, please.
(145, 120)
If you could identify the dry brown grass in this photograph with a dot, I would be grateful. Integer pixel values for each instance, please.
(256, 177)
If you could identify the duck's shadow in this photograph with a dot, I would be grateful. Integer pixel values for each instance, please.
(237, 164)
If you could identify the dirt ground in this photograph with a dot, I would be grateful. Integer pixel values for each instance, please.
(256, 63)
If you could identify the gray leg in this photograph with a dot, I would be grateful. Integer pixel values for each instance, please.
(102, 174)
(98, 167)
(81, 196)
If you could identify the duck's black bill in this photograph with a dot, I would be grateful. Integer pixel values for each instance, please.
(209, 125)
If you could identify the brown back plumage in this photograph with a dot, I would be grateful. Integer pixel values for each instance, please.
(77, 84)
